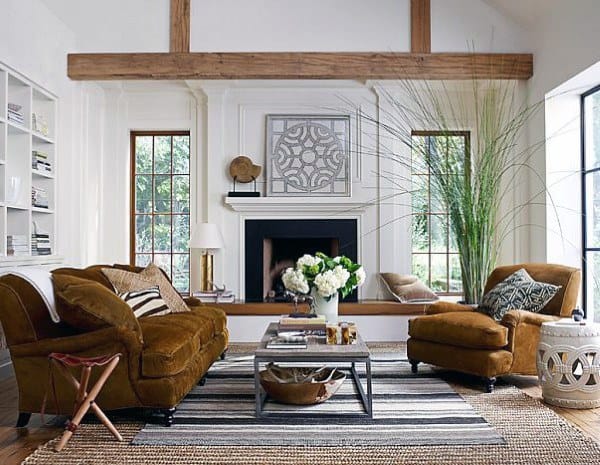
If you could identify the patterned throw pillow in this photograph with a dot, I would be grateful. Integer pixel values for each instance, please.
(146, 302)
(125, 281)
(517, 292)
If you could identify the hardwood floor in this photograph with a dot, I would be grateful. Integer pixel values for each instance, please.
(18, 443)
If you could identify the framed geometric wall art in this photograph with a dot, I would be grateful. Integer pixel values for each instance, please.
(308, 155)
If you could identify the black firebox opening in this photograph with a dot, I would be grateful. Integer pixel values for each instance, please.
(274, 245)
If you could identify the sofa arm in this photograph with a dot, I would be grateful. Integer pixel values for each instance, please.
(513, 318)
(523, 338)
(81, 343)
(447, 307)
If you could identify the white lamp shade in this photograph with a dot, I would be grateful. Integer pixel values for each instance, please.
(206, 236)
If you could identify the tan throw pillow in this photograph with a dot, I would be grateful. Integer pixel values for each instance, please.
(407, 288)
(87, 305)
(127, 281)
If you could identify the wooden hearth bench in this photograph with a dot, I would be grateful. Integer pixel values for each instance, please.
(362, 307)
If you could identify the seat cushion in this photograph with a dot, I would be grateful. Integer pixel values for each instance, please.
(171, 341)
(461, 329)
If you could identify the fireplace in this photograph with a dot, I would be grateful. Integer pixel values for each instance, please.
(273, 245)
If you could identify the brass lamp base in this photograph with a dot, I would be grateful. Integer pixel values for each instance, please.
(206, 272)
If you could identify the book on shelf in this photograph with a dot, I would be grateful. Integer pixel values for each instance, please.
(16, 245)
(215, 296)
(15, 113)
(40, 241)
(39, 161)
(39, 197)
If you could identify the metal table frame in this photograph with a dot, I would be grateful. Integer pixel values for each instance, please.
(305, 355)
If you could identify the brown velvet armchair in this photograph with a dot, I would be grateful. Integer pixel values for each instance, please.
(457, 337)
(176, 352)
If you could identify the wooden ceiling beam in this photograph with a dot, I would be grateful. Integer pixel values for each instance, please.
(180, 26)
(289, 65)
(420, 26)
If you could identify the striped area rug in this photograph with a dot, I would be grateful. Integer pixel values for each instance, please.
(408, 409)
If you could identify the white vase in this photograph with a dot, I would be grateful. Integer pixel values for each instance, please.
(13, 191)
(327, 308)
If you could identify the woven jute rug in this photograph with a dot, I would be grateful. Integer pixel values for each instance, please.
(533, 435)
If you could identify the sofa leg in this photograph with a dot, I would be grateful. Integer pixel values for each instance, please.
(223, 354)
(202, 381)
(23, 419)
(414, 365)
(168, 414)
(489, 384)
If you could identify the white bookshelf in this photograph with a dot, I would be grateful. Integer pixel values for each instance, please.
(17, 175)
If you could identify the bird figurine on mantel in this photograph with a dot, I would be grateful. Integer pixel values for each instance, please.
(242, 170)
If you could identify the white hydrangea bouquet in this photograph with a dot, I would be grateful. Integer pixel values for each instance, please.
(325, 278)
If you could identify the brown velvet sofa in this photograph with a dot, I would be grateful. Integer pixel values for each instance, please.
(457, 337)
(176, 352)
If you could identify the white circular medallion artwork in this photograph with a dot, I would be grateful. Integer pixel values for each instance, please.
(308, 155)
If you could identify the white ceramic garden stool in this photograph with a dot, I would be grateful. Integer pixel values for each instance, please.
(568, 364)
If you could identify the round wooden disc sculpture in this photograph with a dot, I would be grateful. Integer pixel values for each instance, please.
(243, 170)
(299, 385)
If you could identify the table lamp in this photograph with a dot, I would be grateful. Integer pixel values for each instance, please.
(206, 236)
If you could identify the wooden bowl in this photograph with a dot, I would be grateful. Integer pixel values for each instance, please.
(301, 386)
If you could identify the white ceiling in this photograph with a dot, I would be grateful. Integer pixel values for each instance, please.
(524, 12)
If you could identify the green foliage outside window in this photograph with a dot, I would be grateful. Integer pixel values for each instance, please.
(435, 254)
(162, 204)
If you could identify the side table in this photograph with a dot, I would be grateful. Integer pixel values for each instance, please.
(568, 364)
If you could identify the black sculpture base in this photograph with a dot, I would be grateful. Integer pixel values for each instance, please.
(243, 194)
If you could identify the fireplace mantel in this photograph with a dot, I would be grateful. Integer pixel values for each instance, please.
(323, 205)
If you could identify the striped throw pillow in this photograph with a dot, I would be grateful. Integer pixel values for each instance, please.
(146, 302)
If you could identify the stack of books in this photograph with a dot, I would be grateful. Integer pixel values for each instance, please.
(223, 297)
(40, 244)
(15, 113)
(39, 197)
(39, 161)
(288, 341)
(16, 244)
(39, 124)
(310, 325)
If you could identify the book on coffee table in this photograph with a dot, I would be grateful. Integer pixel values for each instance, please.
(291, 341)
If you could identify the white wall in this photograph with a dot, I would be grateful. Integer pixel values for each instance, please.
(310, 25)
(565, 43)
(35, 42)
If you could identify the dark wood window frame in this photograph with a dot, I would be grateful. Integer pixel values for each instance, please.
(133, 213)
(447, 253)
(585, 248)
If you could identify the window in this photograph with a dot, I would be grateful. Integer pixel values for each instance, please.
(590, 124)
(435, 258)
(160, 203)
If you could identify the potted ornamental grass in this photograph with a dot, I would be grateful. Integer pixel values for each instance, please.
(324, 278)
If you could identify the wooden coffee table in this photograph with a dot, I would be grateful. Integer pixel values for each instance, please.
(317, 351)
